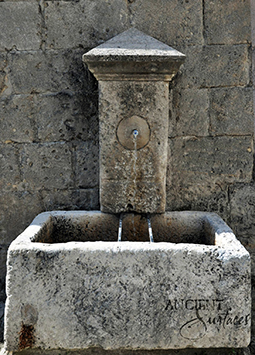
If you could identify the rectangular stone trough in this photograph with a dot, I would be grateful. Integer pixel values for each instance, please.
(71, 285)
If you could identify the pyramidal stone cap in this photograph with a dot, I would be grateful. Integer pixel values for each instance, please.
(133, 55)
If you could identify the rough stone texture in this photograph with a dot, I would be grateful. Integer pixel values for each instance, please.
(87, 165)
(184, 20)
(227, 159)
(231, 111)
(39, 72)
(89, 28)
(64, 116)
(10, 166)
(2, 81)
(130, 179)
(17, 210)
(100, 351)
(200, 168)
(189, 116)
(157, 295)
(227, 22)
(21, 21)
(213, 66)
(87, 199)
(242, 202)
(201, 196)
(46, 166)
(135, 56)
(17, 123)
(133, 70)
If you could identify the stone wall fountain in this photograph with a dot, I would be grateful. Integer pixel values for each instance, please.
(131, 276)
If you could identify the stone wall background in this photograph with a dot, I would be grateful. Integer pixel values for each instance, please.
(49, 113)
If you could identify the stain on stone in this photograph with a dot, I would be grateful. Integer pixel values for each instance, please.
(26, 336)
(29, 314)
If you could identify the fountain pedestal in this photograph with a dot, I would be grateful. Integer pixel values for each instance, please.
(133, 71)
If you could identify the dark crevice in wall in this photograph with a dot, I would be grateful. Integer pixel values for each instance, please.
(203, 14)
(130, 14)
(253, 172)
(43, 30)
(252, 54)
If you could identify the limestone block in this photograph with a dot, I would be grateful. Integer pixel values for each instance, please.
(127, 176)
(184, 20)
(17, 210)
(65, 116)
(71, 199)
(22, 30)
(213, 66)
(199, 170)
(225, 159)
(47, 166)
(17, 123)
(231, 111)
(189, 114)
(9, 167)
(85, 23)
(87, 164)
(70, 290)
(204, 196)
(47, 71)
(227, 22)
(242, 201)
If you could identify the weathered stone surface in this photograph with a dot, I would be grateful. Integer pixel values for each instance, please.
(9, 167)
(86, 199)
(17, 123)
(204, 196)
(200, 169)
(3, 61)
(100, 351)
(227, 22)
(231, 111)
(189, 115)
(242, 203)
(184, 20)
(64, 116)
(3, 65)
(87, 164)
(157, 295)
(85, 23)
(213, 66)
(22, 28)
(39, 72)
(220, 159)
(17, 210)
(46, 166)
(133, 55)
(127, 176)
(2, 81)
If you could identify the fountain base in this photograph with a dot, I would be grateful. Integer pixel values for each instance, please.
(71, 285)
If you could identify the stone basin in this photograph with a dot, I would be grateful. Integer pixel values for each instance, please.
(72, 285)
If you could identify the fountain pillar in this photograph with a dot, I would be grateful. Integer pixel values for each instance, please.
(133, 71)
